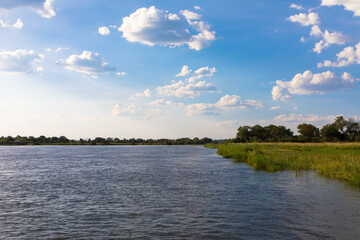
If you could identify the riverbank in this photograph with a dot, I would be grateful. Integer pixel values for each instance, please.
(334, 160)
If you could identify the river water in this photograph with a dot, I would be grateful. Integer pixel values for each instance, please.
(164, 192)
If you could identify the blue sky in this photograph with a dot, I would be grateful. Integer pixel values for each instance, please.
(154, 69)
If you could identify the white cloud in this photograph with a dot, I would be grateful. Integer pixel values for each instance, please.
(202, 72)
(48, 10)
(121, 73)
(185, 90)
(59, 49)
(226, 103)
(87, 62)
(328, 39)
(280, 93)
(104, 30)
(152, 26)
(184, 71)
(131, 109)
(274, 108)
(298, 7)
(19, 61)
(201, 109)
(350, 5)
(205, 71)
(189, 15)
(309, 83)
(228, 123)
(234, 101)
(43, 7)
(17, 25)
(305, 19)
(316, 31)
(304, 118)
(145, 93)
(350, 55)
(164, 102)
(197, 8)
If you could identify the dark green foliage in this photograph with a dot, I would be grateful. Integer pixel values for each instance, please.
(42, 140)
(308, 133)
(339, 131)
(269, 133)
(330, 133)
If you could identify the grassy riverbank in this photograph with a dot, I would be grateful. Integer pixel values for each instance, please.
(334, 160)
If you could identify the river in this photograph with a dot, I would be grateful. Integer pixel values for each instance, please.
(164, 192)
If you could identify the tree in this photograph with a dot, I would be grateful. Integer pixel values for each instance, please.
(308, 133)
(340, 124)
(352, 129)
(243, 134)
(258, 133)
(280, 133)
(330, 132)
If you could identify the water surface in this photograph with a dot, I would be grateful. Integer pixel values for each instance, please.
(164, 192)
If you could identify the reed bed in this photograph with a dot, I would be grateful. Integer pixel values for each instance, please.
(334, 160)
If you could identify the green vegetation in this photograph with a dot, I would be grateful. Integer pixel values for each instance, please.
(276, 148)
(42, 140)
(341, 130)
(334, 160)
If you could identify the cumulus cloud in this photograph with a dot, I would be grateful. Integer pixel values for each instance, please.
(350, 5)
(145, 93)
(152, 26)
(197, 8)
(87, 62)
(350, 55)
(201, 73)
(328, 39)
(189, 15)
(201, 109)
(234, 101)
(131, 109)
(316, 31)
(164, 102)
(43, 7)
(301, 118)
(305, 19)
(185, 90)
(185, 70)
(19, 61)
(17, 25)
(226, 103)
(298, 7)
(104, 30)
(309, 83)
(191, 86)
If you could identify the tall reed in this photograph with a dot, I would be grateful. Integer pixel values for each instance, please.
(334, 160)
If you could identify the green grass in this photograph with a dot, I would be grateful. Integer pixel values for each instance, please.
(334, 160)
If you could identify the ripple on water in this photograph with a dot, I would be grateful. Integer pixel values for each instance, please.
(164, 192)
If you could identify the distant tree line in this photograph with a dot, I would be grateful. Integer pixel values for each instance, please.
(341, 130)
(42, 140)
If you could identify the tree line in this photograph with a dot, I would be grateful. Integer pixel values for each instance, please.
(62, 140)
(341, 130)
